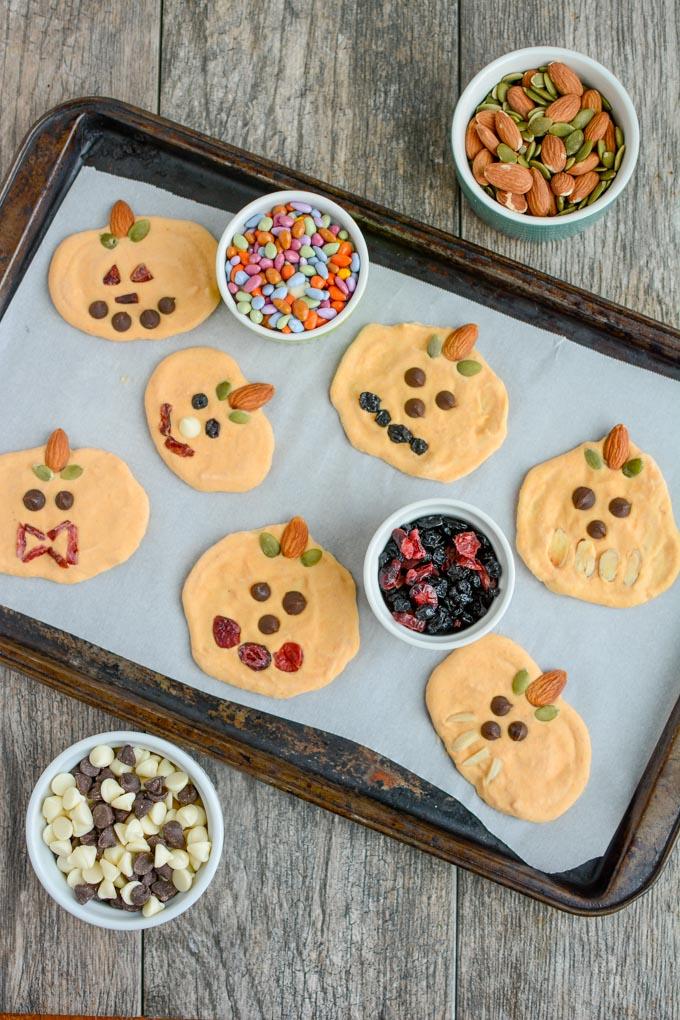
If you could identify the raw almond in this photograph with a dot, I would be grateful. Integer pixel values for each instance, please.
(519, 100)
(121, 219)
(616, 448)
(472, 141)
(584, 185)
(608, 565)
(591, 100)
(487, 118)
(539, 195)
(597, 128)
(507, 130)
(610, 137)
(566, 81)
(562, 184)
(57, 451)
(528, 75)
(479, 165)
(564, 109)
(546, 688)
(460, 342)
(509, 177)
(517, 203)
(251, 396)
(294, 538)
(553, 153)
(585, 166)
(584, 559)
(560, 544)
(487, 138)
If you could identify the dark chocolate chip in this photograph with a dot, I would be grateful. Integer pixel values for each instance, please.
(414, 377)
(34, 499)
(121, 322)
(150, 877)
(64, 499)
(260, 591)
(149, 318)
(414, 408)
(87, 768)
(268, 624)
(129, 907)
(142, 864)
(84, 893)
(139, 895)
(517, 730)
(89, 838)
(173, 835)
(98, 309)
(102, 815)
(187, 795)
(154, 840)
(618, 507)
(142, 805)
(445, 400)
(106, 773)
(130, 782)
(83, 782)
(154, 788)
(95, 793)
(128, 299)
(166, 305)
(121, 815)
(107, 838)
(583, 498)
(127, 755)
(500, 705)
(490, 730)
(597, 529)
(294, 603)
(165, 872)
(163, 890)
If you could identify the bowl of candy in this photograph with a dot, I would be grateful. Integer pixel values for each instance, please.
(292, 265)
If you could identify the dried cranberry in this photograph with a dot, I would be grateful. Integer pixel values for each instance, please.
(389, 578)
(410, 546)
(467, 544)
(289, 657)
(254, 656)
(164, 425)
(410, 621)
(226, 632)
(423, 570)
(112, 277)
(181, 449)
(424, 595)
(140, 274)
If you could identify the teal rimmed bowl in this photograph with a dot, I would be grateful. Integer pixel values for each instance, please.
(522, 225)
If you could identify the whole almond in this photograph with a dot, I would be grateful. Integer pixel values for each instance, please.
(509, 177)
(487, 118)
(539, 196)
(57, 451)
(591, 100)
(527, 76)
(121, 219)
(584, 185)
(294, 538)
(610, 137)
(479, 165)
(460, 342)
(472, 141)
(251, 396)
(507, 130)
(566, 81)
(553, 153)
(517, 203)
(585, 166)
(487, 138)
(546, 688)
(616, 447)
(519, 100)
(562, 184)
(564, 109)
(597, 128)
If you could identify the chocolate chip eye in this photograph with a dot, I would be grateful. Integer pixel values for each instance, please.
(268, 624)
(166, 305)
(414, 408)
(500, 705)
(445, 400)
(583, 498)
(490, 730)
(98, 309)
(517, 730)
(260, 591)
(597, 529)
(414, 377)
(294, 603)
(64, 499)
(34, 499)
(149, 318)
(198, 401)
(619, 507)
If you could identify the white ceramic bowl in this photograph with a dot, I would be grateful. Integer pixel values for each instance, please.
(451, 508)
(263, 205)
(45, 863)
(593, 75)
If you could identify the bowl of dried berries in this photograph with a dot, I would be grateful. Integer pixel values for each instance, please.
(439, 574)
(544, 141)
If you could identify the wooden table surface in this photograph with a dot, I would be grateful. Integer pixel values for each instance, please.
(311, 916)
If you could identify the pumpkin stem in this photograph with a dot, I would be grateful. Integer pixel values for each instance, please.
(57, 451)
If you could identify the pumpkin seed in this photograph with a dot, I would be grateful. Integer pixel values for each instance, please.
(490, 192)
(527, 136)
(512, 77)
(537, 111)
(561, 130)
(537, 80)
(582, 203)
(468, 368)
(502, 90)
(584, 151)
(573, 142)
(531, 149)
(71, 472)
(559, 202)
(506, 154)
(269, 545)
(569, 209)
(539, 125)
(606, 105)
(608, 160)
(596, 192)
(569, 164)
(549, 86)
(593, 459)
(608, 175)
(582, 118)
(601, 148)
(543, 69)
(223, 389)
(523, 161)
(489, 105)
(542, 100)
(632, 467)
(619, 157)
(546, 713)
(311, 557)
(239, 417)
(108, 240)
(43, 472)
(139, 230)
(434, 345)
(494, 92)
(544, 94)
(619, 137)
(520, 681)
(543, 170)
(517, 117)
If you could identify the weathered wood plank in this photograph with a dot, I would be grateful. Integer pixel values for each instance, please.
(50, 961)
(630, 255)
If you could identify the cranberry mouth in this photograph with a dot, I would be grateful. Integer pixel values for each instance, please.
(438, 575)
(174, 445)
(26, 555)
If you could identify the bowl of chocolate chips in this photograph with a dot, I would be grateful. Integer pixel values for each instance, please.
(124, 830)
(439, 574)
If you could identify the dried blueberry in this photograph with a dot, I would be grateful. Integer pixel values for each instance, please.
(369, 401)
(399, 434)
(383, 418)
(212, 428)
(199, 401)
(433, 521)
(400, 603)
(440, 587)
(425, 612)
(419, 446)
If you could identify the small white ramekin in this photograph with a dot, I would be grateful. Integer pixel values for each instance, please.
(450, 508)
(593, 75)
(263, 205)
(96, 911)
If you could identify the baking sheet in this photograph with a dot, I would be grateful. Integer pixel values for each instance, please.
(622, 664)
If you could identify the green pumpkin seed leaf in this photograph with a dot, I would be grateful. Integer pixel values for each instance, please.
(593, 459)
(512, 77)
(546, 713)
(619, 157)
(269, 545)
(71, 472)
(239, 417)
(520, 681)
(43, 472)
(632, 467)
(310, 557)
(108, 240)
(434, 345)
(468, 368)
(223, 389)
(139, 230)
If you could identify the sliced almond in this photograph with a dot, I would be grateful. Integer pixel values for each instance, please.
(608, 565)
(464, 740)
(632, 571)
(584, 560)
(496, 766)
(477, 757)
(558, 550)
(460, 717)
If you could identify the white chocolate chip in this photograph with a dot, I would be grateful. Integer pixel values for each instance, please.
(48, 834)
(109, 870)
(62, 828)
(138, 846)
(140, 754)
(83, 857)
(165, 767)
(202, 818)
(110, 789)
(65, 864)
(200, 851)
(61, 847)
(179, 859)
(74, 878)
(52, 808)
(101, 756)
(161, 855)
(120, 881)
(125, 864)
(127, 889)
(106, 890)
(152, 906)
(190, 427)
(187, 816)
(182, 879)
(119, 767)
(114, 853)
(80, 828)
(124, 802)
(61, 782)
(82, 815)
(169, 800)
(72, 798)
(171, 815)
(198, 834)
(158, 812)
(148, 826)
(120, 829)
(93, 875)
(134, 830)
(147, 768)
(176, 781)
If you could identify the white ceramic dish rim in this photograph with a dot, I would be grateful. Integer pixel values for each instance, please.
(517, 60)
(44, 861)
(263, 204)
(453, 508)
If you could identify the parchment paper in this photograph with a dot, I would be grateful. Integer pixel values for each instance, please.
(622, 664)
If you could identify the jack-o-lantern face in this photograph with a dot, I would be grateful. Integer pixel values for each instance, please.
(597, 524)
(68, 516)
(271, 612)
(508, 730)
(421, 398)
(136, 279)
(206, 423)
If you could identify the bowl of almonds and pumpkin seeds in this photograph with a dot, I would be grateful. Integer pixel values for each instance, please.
(544, 141)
